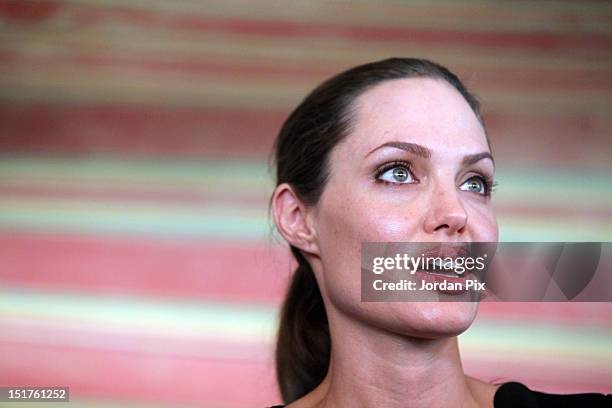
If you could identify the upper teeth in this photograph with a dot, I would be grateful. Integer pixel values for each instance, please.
(439, 264)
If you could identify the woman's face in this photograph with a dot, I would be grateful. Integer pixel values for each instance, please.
(415, 167)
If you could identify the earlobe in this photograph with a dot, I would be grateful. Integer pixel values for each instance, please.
(292, 219)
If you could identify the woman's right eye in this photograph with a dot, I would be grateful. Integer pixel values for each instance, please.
(399, 174)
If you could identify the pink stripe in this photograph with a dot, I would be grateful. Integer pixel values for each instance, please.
(138, 376)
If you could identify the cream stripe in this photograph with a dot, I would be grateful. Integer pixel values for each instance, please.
(422, 14)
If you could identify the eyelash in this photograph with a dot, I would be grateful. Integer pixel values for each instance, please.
(490, 185)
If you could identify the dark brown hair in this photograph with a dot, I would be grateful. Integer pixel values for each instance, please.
(301, 151)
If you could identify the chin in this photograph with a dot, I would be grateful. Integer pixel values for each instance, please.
(434, 319)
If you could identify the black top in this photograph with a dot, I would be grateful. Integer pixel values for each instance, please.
(517, 395)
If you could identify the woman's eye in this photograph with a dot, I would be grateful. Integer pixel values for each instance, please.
(475, 185)
(398, 175)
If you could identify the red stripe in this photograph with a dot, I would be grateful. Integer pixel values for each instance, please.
(161, 268)
(29, 11)
(143, 130)
(551, 140)
(197, 132)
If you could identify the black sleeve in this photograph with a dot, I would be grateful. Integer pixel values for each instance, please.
(590, 400)
(517, 395)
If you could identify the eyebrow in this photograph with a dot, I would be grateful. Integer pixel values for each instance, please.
(414, 148)
(473, 158)
(425, 153)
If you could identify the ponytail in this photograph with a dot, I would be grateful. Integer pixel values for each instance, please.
(303, 345)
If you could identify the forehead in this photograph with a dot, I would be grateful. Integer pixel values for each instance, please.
(427, 111)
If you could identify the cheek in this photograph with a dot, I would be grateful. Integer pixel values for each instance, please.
(394, 224)
(345, 224)
(342, 226)
(482, 223)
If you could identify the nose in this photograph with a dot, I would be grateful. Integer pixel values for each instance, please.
(446, 215)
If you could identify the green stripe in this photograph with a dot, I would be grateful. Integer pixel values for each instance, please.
(231, 175)
(231, 322)
(129, 218)
(558, 188)
(539, 340)
(532, 229)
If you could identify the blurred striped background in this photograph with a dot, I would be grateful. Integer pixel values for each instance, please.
(138, 264)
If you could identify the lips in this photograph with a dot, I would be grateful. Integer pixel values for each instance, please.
(448, 250)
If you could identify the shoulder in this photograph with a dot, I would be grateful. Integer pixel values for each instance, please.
(515, 394)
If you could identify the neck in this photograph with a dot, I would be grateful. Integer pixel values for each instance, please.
(375, 368)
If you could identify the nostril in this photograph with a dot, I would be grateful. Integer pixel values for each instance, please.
(455, 228)
(439, 227)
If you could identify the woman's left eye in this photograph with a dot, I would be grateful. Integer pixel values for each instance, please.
(476, 185)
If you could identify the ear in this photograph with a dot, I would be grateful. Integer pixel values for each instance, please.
(293, 219)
